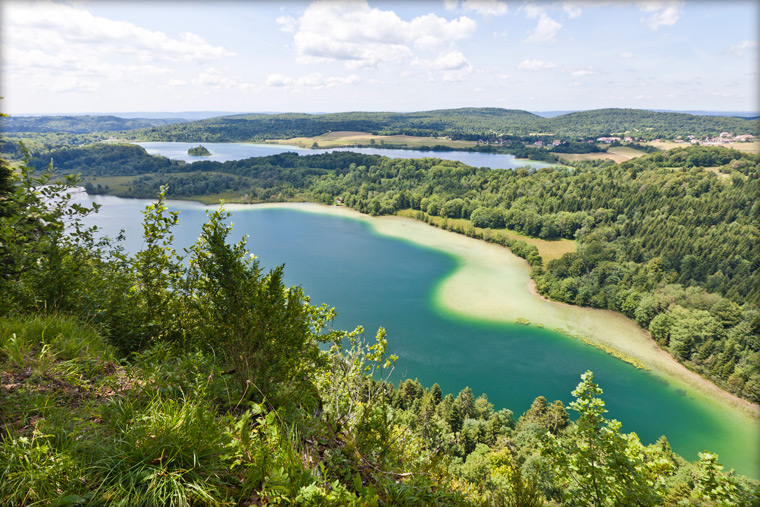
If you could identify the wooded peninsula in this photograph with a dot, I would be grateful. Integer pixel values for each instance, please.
(236, 389)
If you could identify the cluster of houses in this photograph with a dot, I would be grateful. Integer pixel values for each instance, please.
(612, 139)
(723, 138)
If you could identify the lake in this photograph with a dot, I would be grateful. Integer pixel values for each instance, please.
(375, 280)
(223, 152)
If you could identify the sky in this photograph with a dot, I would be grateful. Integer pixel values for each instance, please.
(61, 57)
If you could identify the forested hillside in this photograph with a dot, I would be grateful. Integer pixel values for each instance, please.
(224, 396)
(669, 239)
(82, 124)
(467, 123)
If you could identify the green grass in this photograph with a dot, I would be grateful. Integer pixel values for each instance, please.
(58, 337)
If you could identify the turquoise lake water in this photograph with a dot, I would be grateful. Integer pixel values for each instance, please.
(379, 281)
(223, 152)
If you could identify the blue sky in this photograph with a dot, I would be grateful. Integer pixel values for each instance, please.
(101, 56)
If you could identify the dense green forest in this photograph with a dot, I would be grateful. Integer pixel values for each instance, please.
(669, 239)
(235, 390)
(466, 123)
(83, 124)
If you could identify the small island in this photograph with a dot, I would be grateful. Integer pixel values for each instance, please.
(199, 151)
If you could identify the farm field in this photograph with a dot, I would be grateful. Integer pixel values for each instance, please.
(617, 154)
(353, 138)
(753, 147)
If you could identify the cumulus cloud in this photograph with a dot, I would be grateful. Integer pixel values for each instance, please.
(361, 36)
(545, 31)
(534, 65)
(572, 9)
(48, 26)
(64, 48)
(740, 48)
(71, 84)
(661, 13)
(287, 23)
(589, 71)
(450, 5)
(452, 66)
(532, 11)
(486, 7)
(311, 81)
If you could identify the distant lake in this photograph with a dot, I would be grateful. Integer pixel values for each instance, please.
(223, 152)
(375, 280)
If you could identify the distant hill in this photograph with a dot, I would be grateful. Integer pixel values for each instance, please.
(181, 115)
(79, 124)
(649, 124)
(464, 123)
(699, 112)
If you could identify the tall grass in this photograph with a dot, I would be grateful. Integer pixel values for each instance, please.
(61, 337)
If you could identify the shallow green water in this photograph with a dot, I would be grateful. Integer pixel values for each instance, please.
(377, 281)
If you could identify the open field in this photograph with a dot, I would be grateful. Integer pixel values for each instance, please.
(626, 151)
(351, 138)
(753, 147)
(617, 154)
(548, 250)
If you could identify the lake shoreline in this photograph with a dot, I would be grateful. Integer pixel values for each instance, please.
(471, 158)
(462, 294)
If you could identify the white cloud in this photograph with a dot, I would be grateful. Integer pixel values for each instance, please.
(451, 61)
(311, 81)
(450, 5)
(572, 9)
(545, 31)
(536, 65)
(661, 13)
(452, 66)
(589, 71)
(532, 11)
(287, 23)
(64, 48)
(214, 81)
(71, 84)
(739, 48)
(49, 26)
(626, 55)
(361, 36)
(486, 7)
